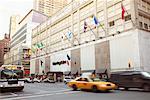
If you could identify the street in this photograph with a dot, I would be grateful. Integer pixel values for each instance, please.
(57, 91)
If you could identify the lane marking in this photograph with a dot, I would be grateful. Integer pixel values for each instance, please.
(63, 90)
(35, 96)
(29, 94)
(8, 96)
(13, 94)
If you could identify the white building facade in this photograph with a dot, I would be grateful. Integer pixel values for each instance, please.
(20, 43)
(114, 45)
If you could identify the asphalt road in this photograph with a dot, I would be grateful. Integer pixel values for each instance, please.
(59, 91)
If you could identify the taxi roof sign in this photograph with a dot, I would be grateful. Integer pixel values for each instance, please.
(11, 67)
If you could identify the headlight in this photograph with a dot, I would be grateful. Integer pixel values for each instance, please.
(1, 85)
(21, 83)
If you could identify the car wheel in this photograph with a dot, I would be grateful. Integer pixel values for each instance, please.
(94, 88)
(74, 87)
(146, 87)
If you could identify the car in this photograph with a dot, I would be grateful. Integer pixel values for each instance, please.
(36, 80)
(67, 79)
(47, 80)
(131, 79)
(87, 83)
(28, 80)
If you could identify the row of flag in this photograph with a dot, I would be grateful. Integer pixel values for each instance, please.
(97, 23)
(86, 26)
(38, 46)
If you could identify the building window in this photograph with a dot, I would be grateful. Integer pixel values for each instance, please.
(145, 26)
(128, 17)
(141, 24)
(112, 23)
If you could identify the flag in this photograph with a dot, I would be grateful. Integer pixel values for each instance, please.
(69, 35)
(95, 21)
(41, 63)
(68, 57)
(123, 11)
(40, 45)
(85, 26)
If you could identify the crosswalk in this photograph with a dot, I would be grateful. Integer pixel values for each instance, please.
(15, 96)
(34, 89)
(27, 97)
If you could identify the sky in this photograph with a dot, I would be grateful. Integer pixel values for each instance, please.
(12, 7)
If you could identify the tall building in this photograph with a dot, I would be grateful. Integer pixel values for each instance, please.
(14, 20)
(94, 35)
(49, 7)
(4, 48)
(20, 44)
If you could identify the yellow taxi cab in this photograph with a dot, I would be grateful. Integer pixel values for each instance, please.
(91, 84)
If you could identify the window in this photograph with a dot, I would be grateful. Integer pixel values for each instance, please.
(83, 79)
(112, 23)
(145, 26)
(80, 79)
(128, 17)
(141, 24)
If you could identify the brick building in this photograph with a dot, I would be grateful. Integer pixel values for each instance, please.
(4, 47)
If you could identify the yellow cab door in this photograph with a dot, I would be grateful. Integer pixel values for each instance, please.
(85, 84)
(79, 83)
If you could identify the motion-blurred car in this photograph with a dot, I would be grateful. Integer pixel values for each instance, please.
(67, 79)
(131, 79)
(91, 84)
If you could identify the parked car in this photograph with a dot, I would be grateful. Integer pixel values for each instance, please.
(28, 80)
(89, 84)
(47, 80)
(36, 80)
(131, 79)
(67, 79)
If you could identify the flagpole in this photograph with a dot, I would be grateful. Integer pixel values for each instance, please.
(91, 30)
(103, 28)
(128, 13)
(98, 23)
(74, 36)
(96, 26)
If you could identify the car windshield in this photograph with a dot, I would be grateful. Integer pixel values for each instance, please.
(146, 74)
(9, 74)
(67, 77)
(97, 80)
